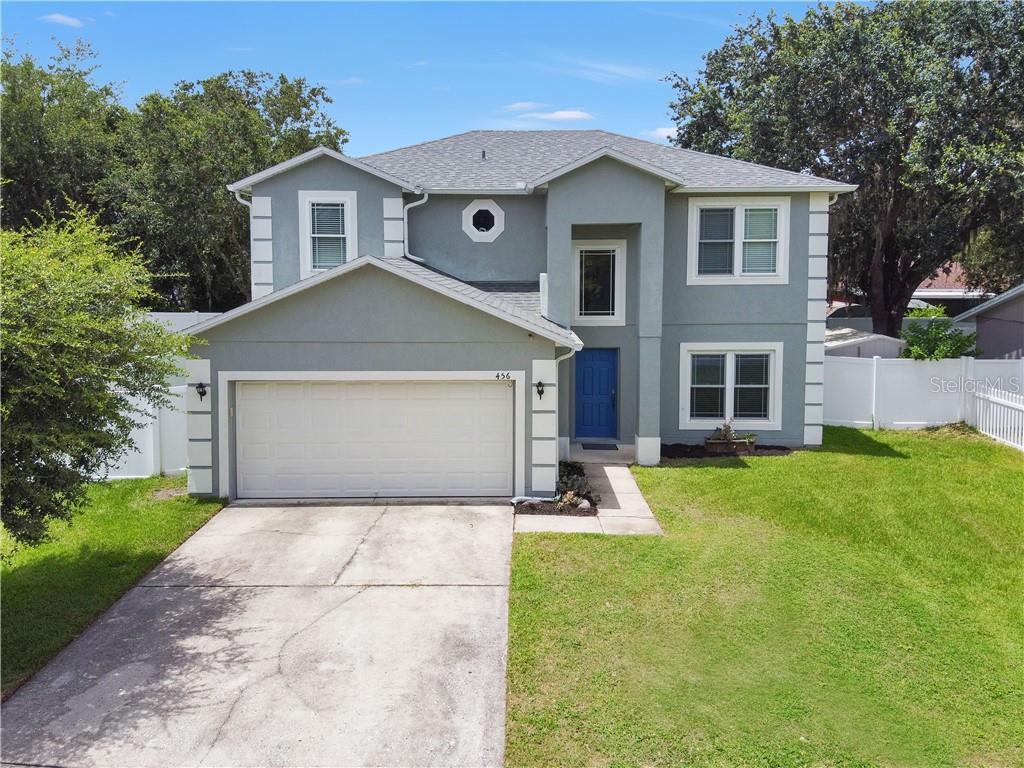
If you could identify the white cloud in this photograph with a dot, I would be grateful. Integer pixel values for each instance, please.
(668, 132)
(608, 72)
(60, 18)
(523, 106)
(559, 115)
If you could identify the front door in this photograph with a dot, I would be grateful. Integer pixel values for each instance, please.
(597, 378)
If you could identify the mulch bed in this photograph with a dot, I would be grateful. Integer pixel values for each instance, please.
(550, 508)
(681, 451)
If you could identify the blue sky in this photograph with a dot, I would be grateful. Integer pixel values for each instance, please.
(402, 73)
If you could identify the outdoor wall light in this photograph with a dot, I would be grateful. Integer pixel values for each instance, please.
(540, 389)
(201, 390)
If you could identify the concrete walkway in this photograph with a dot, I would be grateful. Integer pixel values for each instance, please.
(621, 510)
(291, 636)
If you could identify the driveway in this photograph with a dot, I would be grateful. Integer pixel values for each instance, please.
(312, 636)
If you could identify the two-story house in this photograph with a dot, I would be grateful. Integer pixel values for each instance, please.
(446, 319)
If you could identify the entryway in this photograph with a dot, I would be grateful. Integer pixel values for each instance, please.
(597, 381)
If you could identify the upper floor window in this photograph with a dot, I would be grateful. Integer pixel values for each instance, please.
(327, 230)
(599, 282)
(483, 221)
(738, 241)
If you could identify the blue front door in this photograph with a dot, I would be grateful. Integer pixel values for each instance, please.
(597, 378)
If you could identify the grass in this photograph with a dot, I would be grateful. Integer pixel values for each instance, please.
(51, 592)
(851, 606)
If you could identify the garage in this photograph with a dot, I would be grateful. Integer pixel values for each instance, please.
(308, 439)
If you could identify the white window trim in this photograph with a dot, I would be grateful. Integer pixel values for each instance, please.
(619, 318)
(306, 198)
(738, 277)
(494, 232)
(730, 349)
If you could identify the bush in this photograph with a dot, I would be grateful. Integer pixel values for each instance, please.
(573, 483)
(936, 338)
(80, 363)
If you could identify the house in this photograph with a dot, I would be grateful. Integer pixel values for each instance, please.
(448, 319)
(1000, 325)
(949, 289)
(851, 342)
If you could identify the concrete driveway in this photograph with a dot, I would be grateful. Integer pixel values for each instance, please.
(291, 636)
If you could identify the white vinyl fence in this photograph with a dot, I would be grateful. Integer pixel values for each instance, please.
(912, 394)
(160, 444)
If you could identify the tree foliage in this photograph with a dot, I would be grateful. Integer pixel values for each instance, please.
(157, 173)
(80, 364)
(918, 103)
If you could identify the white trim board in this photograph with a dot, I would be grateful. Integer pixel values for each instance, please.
(225, 433)
(568, 339)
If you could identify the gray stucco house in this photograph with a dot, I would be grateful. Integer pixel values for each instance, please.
(1000, 325)
(446, 319)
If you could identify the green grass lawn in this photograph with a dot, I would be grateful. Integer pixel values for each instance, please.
(50, 593)
(855, 605)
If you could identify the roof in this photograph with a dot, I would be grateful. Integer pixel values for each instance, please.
(843, 337)
(982, 308)
(179, 321)
(947, 285)
(517, 161)
(245, 185)
(525, 314)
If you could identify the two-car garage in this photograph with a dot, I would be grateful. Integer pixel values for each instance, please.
(299, 439)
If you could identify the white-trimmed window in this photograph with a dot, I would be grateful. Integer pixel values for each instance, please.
(738, 241)
(599, 282)
(483, 221)
(741, 383)
(328, 234)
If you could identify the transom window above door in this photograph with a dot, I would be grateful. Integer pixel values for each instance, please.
(736, 241)
(327, 230)
(599, 282)
(740, 383)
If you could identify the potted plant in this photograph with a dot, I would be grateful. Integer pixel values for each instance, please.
(724, 440)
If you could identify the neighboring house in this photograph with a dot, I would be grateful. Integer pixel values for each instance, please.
(851, 342)
(1000, 325)
(949, 290)
(445, 319)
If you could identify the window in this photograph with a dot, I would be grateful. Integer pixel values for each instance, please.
(483, 221)
(720, 382)
(599, 282)
(738, 241)
(327, 230)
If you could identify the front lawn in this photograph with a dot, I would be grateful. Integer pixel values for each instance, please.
(856, 605)
(51, 592)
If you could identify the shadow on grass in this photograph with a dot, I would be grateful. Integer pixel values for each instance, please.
(724, 462)
(856, 442)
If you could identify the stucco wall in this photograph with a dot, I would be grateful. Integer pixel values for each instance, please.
(369, 320)
(1001, 330)
(519, 252)
(324, 173)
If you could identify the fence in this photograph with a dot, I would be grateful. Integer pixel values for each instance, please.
(911, 394)
(160, 444)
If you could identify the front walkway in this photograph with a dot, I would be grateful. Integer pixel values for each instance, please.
(621, 510)
(291, 636)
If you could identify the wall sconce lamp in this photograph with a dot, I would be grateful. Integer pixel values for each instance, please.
(201, 390)
(540, 389)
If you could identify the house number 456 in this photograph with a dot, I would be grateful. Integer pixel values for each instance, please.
(503, 376)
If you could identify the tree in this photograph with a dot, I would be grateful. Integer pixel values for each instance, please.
(936, 338)
(57, 134)
(993, 263)
(177, 153)
(80, 365)
(918, 103)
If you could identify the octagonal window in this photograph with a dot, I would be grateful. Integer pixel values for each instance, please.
(483, 221)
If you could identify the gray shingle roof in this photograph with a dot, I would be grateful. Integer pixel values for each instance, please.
(510, 160)
(510, 299)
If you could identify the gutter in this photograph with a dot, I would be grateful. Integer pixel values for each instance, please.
(405, 224)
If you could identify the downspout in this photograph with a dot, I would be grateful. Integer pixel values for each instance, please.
(246, 203)
(405, 223)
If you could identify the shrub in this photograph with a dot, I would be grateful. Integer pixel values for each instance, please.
(936, 338)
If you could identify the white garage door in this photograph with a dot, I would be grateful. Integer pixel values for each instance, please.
(407, 438)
